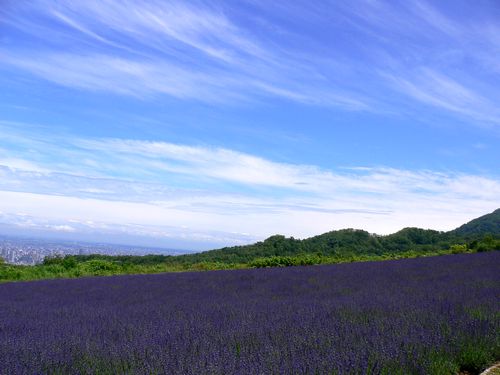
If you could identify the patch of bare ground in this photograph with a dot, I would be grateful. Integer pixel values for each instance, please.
(493, 370)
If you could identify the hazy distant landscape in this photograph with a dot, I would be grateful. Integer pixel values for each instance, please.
(54, 260)
(30, 251)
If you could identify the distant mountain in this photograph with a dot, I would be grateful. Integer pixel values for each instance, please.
(486, 224)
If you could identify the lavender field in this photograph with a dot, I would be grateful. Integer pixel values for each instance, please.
(433, 315)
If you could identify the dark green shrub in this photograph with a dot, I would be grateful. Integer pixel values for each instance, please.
(475, 357)
(286, 261)
(53, 260)
(69, 262)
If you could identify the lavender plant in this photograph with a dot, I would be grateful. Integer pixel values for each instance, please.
(433, 315)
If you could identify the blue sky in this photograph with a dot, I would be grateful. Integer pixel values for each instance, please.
(202, 124)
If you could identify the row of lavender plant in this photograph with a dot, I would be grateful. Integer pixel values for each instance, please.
(416, 316)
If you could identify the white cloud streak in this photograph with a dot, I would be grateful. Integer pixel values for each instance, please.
(174, 189)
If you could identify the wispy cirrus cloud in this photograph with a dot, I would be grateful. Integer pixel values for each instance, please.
(382, 56)
(436, 89)
(125, 76)
(413, 53)
(166, 48)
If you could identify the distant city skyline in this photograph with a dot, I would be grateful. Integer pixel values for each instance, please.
(197, 125)
(29, 251)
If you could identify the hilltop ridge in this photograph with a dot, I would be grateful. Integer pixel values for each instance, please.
(486, 224)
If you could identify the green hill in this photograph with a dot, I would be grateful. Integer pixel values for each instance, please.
(353, 242)
(487, 224)
(341, 244)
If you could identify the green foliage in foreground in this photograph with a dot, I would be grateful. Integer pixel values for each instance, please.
(71, 267)
(101, 265)
(311, 259)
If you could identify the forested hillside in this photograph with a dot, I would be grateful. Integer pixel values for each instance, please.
(481, 233)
